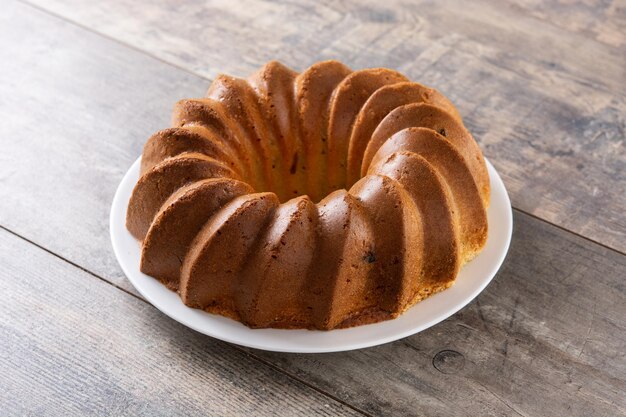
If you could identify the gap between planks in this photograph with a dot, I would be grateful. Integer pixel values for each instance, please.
(191, 72)
(234, 346)
(588, 239)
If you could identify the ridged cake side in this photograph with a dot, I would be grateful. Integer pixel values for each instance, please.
(324, 199)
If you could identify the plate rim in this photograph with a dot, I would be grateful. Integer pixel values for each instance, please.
(150, 292)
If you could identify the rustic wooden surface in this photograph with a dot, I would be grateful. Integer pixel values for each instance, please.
(545, 96)
(541, 85)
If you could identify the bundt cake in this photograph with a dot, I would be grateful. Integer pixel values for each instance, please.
(242, 206)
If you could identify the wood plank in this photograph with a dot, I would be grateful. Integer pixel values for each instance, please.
(73, 345)
(604, 21)
(546, 102)
(365, 31)
(76, 110)
(547, 337)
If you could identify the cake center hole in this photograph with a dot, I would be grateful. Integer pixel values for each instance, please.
(294, 177)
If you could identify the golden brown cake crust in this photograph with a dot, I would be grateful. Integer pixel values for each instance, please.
(327, 199)
(182, 215)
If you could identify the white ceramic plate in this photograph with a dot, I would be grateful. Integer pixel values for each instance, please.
(472, 279)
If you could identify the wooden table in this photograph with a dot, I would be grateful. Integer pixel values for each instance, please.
(542, 86)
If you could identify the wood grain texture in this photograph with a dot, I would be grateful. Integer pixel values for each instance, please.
(603, 21)
(542, 87)
(76, 110)
(546, 338)
(73, 345)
